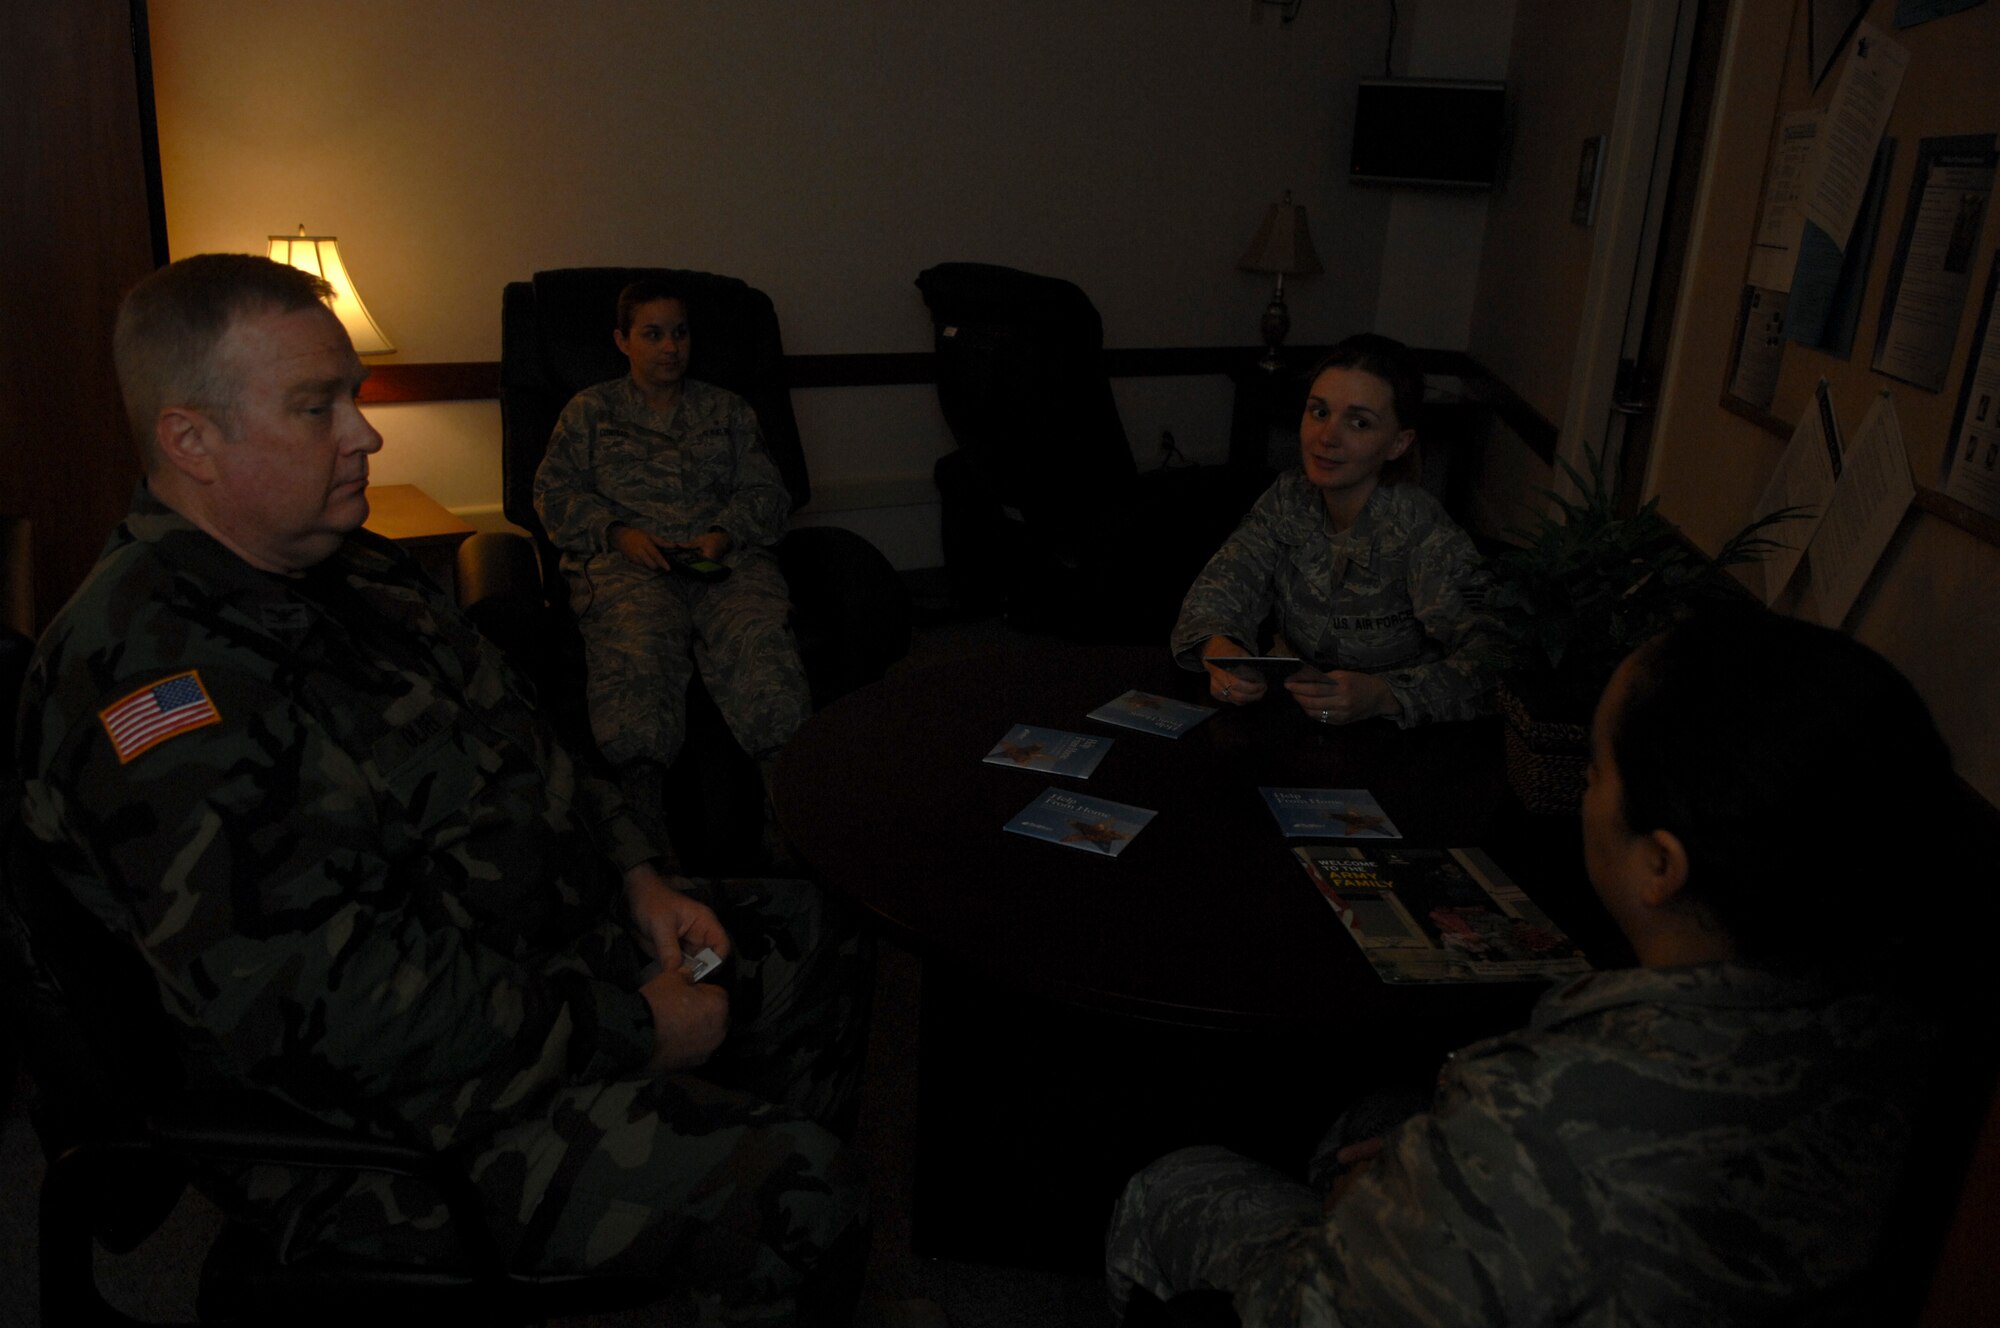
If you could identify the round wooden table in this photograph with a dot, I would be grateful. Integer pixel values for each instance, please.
(1205, 918)
(1083, 1014)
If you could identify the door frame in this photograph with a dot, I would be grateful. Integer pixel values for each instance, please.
(1638, 162)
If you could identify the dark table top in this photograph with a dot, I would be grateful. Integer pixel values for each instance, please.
(1205, 919)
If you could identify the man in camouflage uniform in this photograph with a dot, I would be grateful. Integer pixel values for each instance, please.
(1390, 596)
(642, 472)
(369, 881)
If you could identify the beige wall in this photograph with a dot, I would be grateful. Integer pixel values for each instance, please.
(1930, 606)
(830, 149)
(1431, 255)
(826, 151)
(1536, 261)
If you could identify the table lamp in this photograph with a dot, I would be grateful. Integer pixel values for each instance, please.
(320, 255)
(1283, 246)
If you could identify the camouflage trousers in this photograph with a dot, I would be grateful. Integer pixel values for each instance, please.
(646, 632)
(1205, 1218)
(730, 1180)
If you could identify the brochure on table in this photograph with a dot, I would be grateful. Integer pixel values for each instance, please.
(1151, 713)
(1309, 813)
(1439, 915)
(1050, 751)
(1094, 825)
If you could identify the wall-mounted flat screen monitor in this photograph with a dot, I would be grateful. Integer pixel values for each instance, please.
(1445, 133)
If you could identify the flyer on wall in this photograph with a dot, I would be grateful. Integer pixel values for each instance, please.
(1931, 272)
(1856, 119)
(1971, 469)
(1805, 477)
(1776, 248)
(1868, 503)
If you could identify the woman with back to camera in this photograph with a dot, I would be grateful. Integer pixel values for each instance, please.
(1717, 1135)
(1368, 576)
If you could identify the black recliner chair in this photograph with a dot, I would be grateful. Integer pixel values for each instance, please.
(124, 1136)
(1045, 512)
(851, 612)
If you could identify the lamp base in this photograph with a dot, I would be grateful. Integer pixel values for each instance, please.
(1277, 322)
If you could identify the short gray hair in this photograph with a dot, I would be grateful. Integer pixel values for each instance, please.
(171, 324)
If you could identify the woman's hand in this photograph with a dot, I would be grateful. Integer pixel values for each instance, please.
(1224, 685)
(1342, 697)
(713, 545)
(639, 547)
(1354, 1159)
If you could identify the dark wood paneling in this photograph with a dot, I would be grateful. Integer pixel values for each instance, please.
(76, 229)
(464, 380)
(1529, 424)
(476, 380)
(471, 379)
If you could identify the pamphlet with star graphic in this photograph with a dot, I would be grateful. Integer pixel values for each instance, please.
(1150, 713)
(1309, 813)
(1094, 825)
(1051, 751)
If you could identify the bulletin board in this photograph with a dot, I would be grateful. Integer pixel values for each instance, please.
(1931, 600)
(1946, 107)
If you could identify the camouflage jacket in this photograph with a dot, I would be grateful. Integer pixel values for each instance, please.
(1396, 603)
(365, 875)
(615, 460)
(1708, 1144)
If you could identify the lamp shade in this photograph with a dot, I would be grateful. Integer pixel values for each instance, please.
(1283, 244)
(320, 255)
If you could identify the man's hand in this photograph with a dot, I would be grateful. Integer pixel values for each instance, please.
(668, 921)
(641, 548)
(1342, 697)
(689, 1020)
(1224, 685)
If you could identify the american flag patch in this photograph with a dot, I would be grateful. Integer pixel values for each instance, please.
(151, 715)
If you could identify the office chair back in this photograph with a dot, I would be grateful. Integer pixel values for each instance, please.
(1022, 383)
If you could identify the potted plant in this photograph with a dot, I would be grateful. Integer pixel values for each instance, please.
(1582, 589)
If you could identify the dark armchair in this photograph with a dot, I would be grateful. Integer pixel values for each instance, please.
(851, 613)
(124, 1136)
(1044, 509)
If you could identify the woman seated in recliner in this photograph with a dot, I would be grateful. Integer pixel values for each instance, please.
(1368, 577)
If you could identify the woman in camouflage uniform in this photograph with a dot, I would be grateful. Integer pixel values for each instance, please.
(1368, 577)
(1718, 1135)
(647, 476)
